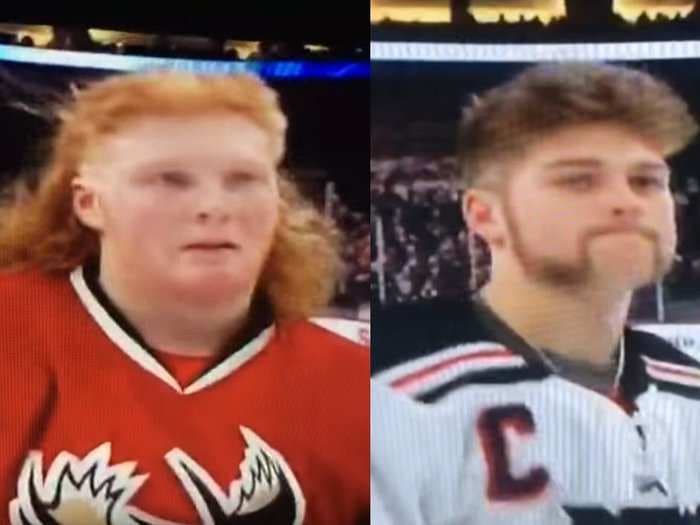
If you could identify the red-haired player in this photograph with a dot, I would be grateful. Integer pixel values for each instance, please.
(158, 366)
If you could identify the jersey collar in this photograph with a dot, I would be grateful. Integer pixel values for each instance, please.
(122, 333)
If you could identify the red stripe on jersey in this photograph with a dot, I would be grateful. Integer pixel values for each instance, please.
(673, 371)
(422, 374)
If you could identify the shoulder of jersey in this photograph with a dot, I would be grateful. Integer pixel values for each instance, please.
(334, 364)
(23, 297)
(666, 366)
(308, 328)
(320, 344)
(11, 278)
(31, 287)
(430, 350)
(412, 331)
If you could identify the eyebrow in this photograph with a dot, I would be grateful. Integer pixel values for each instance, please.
(177, 165)
(574, 163)
(249, 165)
(595, 163)
(653, 166)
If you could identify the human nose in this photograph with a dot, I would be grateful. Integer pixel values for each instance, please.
(210, 204)
(623, 202)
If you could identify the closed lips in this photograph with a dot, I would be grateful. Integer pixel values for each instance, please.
(211, 245)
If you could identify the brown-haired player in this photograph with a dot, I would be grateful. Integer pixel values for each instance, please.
(543, 406)
(158, 365)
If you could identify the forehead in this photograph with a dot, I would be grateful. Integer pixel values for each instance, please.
(609, 144)
(205, 138)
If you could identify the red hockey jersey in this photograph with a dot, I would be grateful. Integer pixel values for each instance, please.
(95, 430)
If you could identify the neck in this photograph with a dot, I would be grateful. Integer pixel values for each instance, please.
(169, 323)
(580, 323)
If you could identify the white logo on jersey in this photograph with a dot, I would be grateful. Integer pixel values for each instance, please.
(75, 490)
(266, 492)
(90, 491)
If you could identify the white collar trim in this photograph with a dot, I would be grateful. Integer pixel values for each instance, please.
(149, 363)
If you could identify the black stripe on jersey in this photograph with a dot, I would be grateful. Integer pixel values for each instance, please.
(636, 380)
(659, 349)
(407, 332)
(92, 281)
(23, 517)
(495, 376)
(634, 516)
(691, 392)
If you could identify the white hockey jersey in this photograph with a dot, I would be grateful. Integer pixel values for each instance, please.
(470, 426)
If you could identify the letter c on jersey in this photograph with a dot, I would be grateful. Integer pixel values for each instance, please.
(502, 486)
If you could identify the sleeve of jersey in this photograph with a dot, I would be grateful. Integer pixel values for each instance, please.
(417, 465)
(25, 399)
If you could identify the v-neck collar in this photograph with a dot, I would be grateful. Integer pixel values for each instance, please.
(128, 340)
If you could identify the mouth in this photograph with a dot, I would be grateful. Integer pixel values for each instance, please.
(224, 245)
(619, 229)
(641, 231)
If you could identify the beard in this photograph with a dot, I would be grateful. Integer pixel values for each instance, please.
(582, 271)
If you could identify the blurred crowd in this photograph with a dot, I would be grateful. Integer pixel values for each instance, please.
(684, 281)
(417, 220)
(354, 289)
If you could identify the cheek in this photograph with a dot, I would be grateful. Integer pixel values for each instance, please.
(135, 219)
(535, 222)
(563, 220)
(546, 230)
(257, 217)
(664, 219)
(669, 230)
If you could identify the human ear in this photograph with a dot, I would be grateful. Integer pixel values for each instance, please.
(86, 203)
(481, 210)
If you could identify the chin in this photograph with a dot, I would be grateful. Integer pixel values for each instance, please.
(633, 268)
(212, 282)
(624, 280)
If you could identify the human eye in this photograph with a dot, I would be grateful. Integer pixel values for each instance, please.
(646, 182)
(241, 179)
(577, 181)
(173, 178)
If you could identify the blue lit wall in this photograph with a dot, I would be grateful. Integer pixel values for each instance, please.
(269, 69)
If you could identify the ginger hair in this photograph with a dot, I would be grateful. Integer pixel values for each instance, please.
(40, 230)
